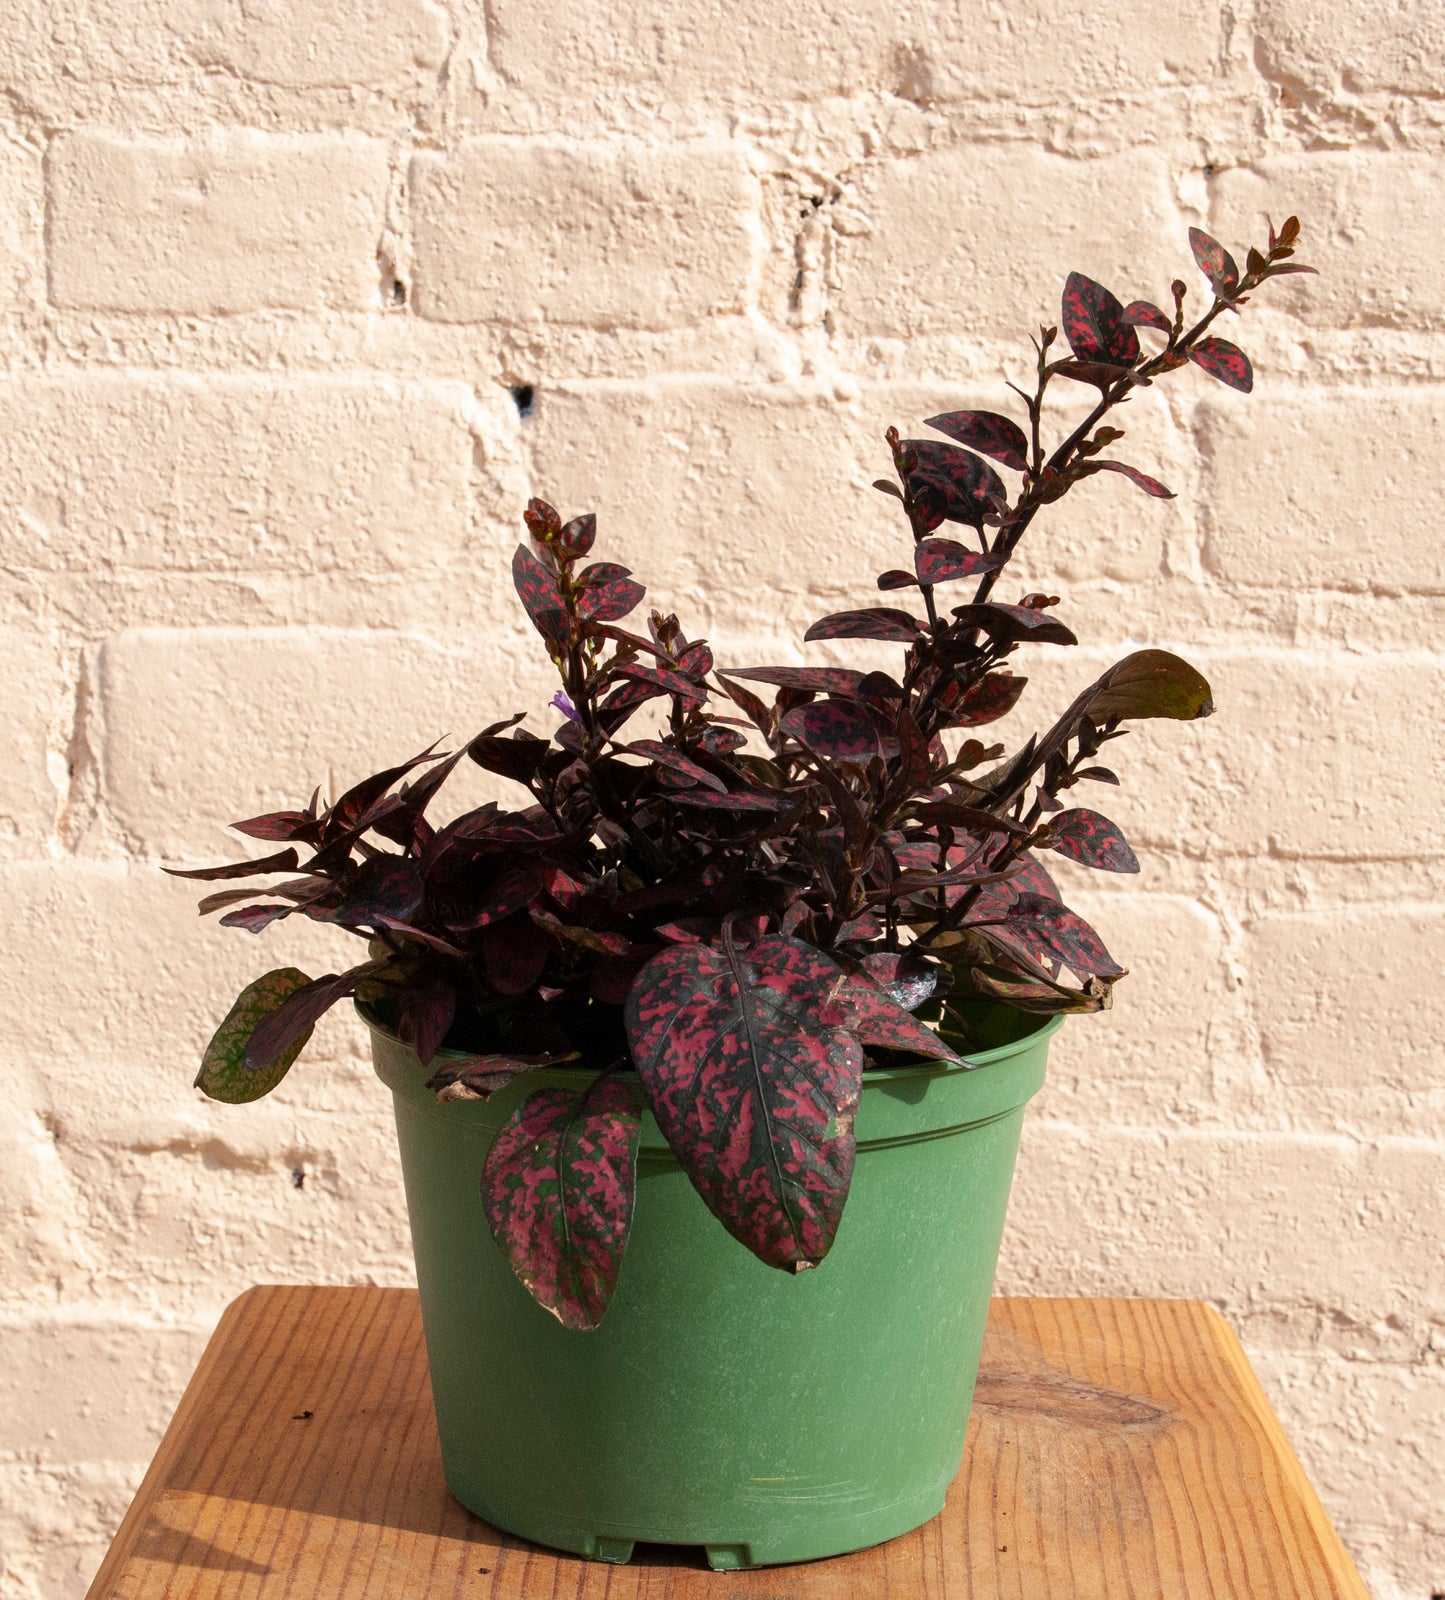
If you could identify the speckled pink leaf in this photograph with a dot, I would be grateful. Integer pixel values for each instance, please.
(1143, 314)
(1215, 262)
(838, 729)
(538, 589)
(943, 560)
(986, 700)
(824, 680)
(1083, 835)
(874, 622)
(988, 432)
(1141, 480)
(1050, 929)
(676, 761)
(1093, 323)
(1224, 361)
(558, 1188)
(875, 1018)
(967, 487)
(753, 1085)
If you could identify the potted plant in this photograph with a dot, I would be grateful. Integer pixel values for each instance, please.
(749, 928)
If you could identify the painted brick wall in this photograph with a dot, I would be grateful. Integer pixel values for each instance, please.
(268, 274)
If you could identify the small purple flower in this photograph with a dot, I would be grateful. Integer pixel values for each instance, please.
(565, 706)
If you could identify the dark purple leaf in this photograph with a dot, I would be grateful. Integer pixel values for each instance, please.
(837, 729)
(254, 918)
(876, 622)
(424, 1014)
(515, 952)
(719, 741)
(1098, 774)
(824, 680)
(753, 1085)
(695, 662)
(1093, 323)
(477, 1077)
(298, 1013)
(908, 978)
(988, 432)
(282, 861)
(1102, 374)
(966, 485)
(1224, 361)
(972, 819)
(676, 761)
(1142, 314)
(1011, 624)
(577, 536)
(465, 908)
(661, 678)
(943, 560)
(540, 596)
(278, 825)
(558, 1188)
(1083, 835)
(1215, 262)
(734, 800)
(611, 602)
(353, 808)
(1045, 926)
(385, 886)
(1141, 479)
(896, 578)
(986, 700)
(875, 1018)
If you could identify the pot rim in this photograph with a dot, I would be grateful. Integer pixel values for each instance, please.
(1048, 1026)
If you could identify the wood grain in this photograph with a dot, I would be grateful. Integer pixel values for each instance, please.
(1119, 1450)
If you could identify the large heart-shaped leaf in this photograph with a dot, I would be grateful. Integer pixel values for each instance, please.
(754, 1086)
(224, 1074)
(558, 1187)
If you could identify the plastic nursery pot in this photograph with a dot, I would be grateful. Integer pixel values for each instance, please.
(765, 1416)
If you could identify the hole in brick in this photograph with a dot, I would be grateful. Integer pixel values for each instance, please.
(298, 1177)
(524, 397)
(398, 293)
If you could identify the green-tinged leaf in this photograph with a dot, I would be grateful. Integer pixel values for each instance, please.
(1151, 683)
(224, 1074)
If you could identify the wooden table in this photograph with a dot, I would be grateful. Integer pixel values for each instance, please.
(1118, 1448)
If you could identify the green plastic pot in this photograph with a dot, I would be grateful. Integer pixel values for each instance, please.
(765, 1416)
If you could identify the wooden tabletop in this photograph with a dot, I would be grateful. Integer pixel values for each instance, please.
(1119, 1450)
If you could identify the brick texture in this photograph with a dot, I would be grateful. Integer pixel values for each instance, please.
(299, 303)
(511, 231)
(235, 221)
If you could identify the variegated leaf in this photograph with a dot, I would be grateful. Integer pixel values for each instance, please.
(754, 1086)
(558, 1187)
(224, 1074)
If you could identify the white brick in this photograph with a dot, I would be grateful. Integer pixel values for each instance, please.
(1101, 1071)
(629, 236)
(233, 474)
(1369, 223)
(1344, 998)
(1245, 1221)
(122, 1382)
(232, 221)
(807, 49)
(1325, 490)
(1354, 49)
(202, 726)
(951, 242)
(1346, 1417)
(22, 236)
(33, 729)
